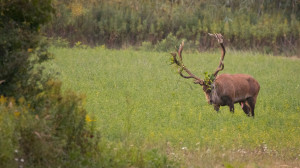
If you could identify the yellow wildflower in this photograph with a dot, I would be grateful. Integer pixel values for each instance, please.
(2, 99)
(21, 100)
(77, 9)
(17, 114)
(88, 118)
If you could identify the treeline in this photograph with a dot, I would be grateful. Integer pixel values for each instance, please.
(266, 25)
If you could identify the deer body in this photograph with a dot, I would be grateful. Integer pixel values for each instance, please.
(224, 89)
(228, 89)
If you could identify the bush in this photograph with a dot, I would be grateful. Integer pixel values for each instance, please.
(59, 42)
(51, 133)
(40, 127)
(147, 46)
(8, 138)
(22, 47)
(167, 44)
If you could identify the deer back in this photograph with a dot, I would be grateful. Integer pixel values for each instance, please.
(237, 87)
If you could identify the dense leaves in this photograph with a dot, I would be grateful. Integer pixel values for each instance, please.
(39, 126)
(46, 135)
(21, 45)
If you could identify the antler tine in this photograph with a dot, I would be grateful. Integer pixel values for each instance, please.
(213, 35)
(182, 67)
(219, 37)
(180, 50)
(220, 68)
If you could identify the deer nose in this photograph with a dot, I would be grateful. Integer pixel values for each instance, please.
(210, 101)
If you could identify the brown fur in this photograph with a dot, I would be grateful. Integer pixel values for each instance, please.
(229, 89)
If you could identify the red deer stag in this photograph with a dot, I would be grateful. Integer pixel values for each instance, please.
(224, 89)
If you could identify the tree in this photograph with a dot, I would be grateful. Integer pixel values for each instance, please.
(21, 45)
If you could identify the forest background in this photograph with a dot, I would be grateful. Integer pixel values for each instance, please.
(265, 25)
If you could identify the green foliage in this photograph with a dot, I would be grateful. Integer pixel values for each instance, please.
(147, 46)
(8, 138)
(208, 79)
(51, 132)
(59, 42)
(78, 44)
(168, 43)
(245, 24)
(19, 40)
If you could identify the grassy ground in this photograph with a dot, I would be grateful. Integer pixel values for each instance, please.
(138, 99)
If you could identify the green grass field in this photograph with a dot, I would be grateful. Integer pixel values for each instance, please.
(138, 99)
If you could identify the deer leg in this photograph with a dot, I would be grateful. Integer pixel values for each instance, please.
(251, 103)
(217, 107)
(228, 101)
(231, 108)
(245, 107)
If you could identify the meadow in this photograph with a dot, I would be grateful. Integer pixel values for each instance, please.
(136, 98)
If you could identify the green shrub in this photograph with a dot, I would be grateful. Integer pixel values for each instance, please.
(167, 44)
(8, 138)
(59, 42)
(147, 46)
(40, 126)
(22, 46)
(51, 133)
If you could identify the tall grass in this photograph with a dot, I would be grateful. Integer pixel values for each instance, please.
(268, 26)
(138, 99)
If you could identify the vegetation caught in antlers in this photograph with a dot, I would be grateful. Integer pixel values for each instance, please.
(182, 67)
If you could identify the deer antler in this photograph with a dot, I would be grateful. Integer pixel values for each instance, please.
(219, 37)
(182, 67)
